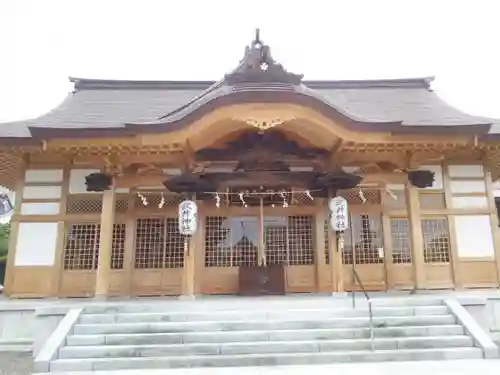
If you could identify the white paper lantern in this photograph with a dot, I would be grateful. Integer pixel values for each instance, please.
(188, 217)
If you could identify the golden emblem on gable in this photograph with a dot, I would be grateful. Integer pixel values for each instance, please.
(264, 121)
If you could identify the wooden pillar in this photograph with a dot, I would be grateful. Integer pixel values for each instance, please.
(417, 243)
(199, 253)
(191, 251)
(390, 281)
(494, 222)
(61, 233)
(450, 218)
(105, 243)
(129, 250)
(320, 259)
(336, 264)
(14, 229)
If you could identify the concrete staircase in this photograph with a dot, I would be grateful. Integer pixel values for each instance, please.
(146, 337)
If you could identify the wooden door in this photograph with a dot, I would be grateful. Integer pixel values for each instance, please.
(288, 241)
(81, 257)
(159, 257)
(231, 242)
(364, 251)
(437, 258)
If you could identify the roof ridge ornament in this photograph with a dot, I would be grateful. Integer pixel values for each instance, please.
(258, 66)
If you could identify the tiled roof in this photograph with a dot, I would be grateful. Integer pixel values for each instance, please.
(397, 105)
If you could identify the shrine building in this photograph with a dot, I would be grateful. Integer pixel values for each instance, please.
(261, 152)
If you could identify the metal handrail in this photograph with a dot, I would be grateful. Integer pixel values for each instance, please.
(368, 299)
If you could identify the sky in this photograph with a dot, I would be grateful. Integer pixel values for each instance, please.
(43, 42)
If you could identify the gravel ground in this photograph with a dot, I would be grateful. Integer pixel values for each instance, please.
(16, 364)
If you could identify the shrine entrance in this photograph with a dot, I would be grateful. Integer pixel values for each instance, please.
(278, 241)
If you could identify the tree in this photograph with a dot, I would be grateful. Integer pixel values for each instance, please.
(4, 241)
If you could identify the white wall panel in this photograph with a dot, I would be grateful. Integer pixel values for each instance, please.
(474, 237)
(40, 208)
(466, 171)
(42, 192)
(464, 187)
(36, 244)
(469, 202)
(43, 175)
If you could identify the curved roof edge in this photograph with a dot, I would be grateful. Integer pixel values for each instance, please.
(116, 84)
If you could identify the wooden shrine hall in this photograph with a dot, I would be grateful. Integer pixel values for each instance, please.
(99, 179)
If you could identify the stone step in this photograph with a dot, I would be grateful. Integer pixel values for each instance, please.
(258, 303)
(231, 315)
(247, 325)
(269, 347)
(273, 335)
(96, 364)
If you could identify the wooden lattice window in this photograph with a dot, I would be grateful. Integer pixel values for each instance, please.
(436, 240)
(81, 250)
(363, 240)
(234, 241)
(288, 240)
(158, 244)
(118, 249)
(400, 238)
(217, 251)
(231, 241)
(300, 240)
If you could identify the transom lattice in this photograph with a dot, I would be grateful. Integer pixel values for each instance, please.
(364, 196)
(400, 238)
(92, 204)
(436, 240)
(158, 244)
(81, 250)
(86, 204)
(363, 240)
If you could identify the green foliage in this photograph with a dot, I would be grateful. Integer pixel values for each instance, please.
(4, 241)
